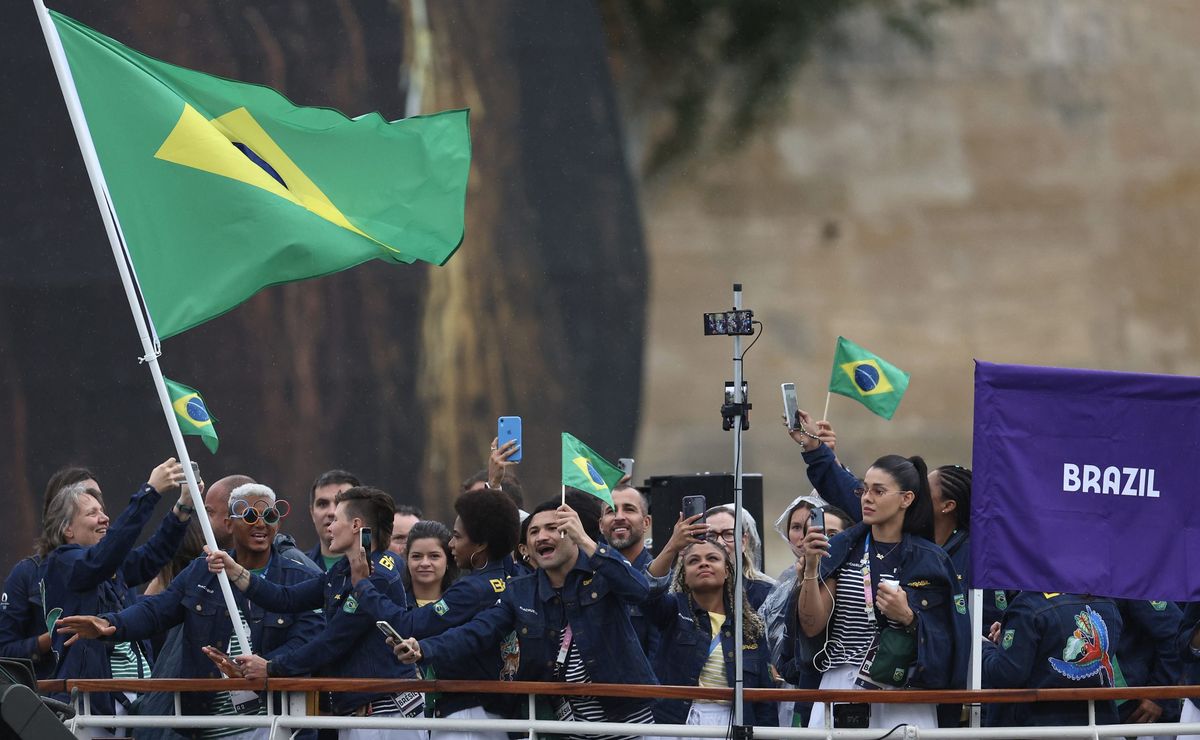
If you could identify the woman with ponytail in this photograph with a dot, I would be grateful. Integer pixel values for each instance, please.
(950, 490)
(880, 604)
(950, 493)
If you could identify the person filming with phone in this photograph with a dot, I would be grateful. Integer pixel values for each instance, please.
(485, 530)
(880, 605)
(350, 645)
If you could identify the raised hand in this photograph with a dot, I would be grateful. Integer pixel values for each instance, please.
(85, 627)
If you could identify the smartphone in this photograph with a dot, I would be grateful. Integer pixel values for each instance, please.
(508, 428)
(195, 474)
(693, 505)
(626, 466)
(789, 406)
(388, 630)
(364, 536)
(817, 518)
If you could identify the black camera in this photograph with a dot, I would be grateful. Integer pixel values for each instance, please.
(728, 323)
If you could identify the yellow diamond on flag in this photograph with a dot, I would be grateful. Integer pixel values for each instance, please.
(868, 378)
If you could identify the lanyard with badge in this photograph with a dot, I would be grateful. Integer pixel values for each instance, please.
(563, 712)
(863, 679)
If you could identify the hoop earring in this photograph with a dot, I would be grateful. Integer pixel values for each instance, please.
(471, 560)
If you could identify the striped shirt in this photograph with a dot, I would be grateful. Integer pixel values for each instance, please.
(588, 708)
(850, 631)
(126, 662)
(222, 704)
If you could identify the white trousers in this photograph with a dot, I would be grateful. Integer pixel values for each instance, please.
(706, 713)
(469, 713)
(883, 716)
(382, 734)
(1190, 714)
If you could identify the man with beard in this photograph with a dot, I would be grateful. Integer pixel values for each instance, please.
(624, 525)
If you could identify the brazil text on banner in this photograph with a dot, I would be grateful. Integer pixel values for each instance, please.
(1084, 482)
(223, 188)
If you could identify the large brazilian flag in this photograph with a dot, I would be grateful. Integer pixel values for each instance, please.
(223, 188)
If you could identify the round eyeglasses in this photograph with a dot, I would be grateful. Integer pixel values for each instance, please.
(241, 509)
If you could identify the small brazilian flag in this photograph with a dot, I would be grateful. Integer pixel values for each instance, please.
(192, 413)
(582, 468)
(869, 379)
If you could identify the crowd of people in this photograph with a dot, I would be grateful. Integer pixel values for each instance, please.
(570, 591)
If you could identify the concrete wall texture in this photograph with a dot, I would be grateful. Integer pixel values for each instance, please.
(1024, 192)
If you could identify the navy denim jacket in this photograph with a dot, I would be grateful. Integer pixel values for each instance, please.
(1189, 622)
(22, 617)
(687, 629)
(194, 599)
(593, 600)
(1147, 650)
(935, 596)
(833, 482)
(466, 597)
(1037, 634)
(96, 579)
(350, 646)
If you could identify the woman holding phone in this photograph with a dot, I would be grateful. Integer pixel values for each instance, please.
(880, 605)
(696, 620)
(485, 530)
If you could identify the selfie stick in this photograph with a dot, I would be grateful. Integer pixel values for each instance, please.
(738, 587)
(124, 266)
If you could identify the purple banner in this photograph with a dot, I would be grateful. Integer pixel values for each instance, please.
(1086, 481)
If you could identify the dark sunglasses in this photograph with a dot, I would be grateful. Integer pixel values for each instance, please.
(250, 515)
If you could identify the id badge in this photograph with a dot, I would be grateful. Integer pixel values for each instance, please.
(563, 712)
(863, 680)
(244, 702)
(411, 703)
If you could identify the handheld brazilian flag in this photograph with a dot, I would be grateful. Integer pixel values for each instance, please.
(582, 468)
(223, 188)
(192, 413)
(869, 379)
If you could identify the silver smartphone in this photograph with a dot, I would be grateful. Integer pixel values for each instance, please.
(626, 466)
(790, 409)
(195, 474)
(388, 630)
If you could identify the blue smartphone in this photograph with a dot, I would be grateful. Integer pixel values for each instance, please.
(508, 428)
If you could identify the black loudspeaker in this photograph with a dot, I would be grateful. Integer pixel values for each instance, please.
(23, 714)
(666, 494)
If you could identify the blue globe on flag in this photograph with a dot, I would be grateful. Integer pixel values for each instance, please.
(595, 475)
(866, 377)
(196, 411)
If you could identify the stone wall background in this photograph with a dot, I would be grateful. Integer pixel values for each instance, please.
(1026, 191)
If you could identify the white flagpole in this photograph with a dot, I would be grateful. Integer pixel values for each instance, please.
(100, 189)
(738, 521)
(976, 651)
